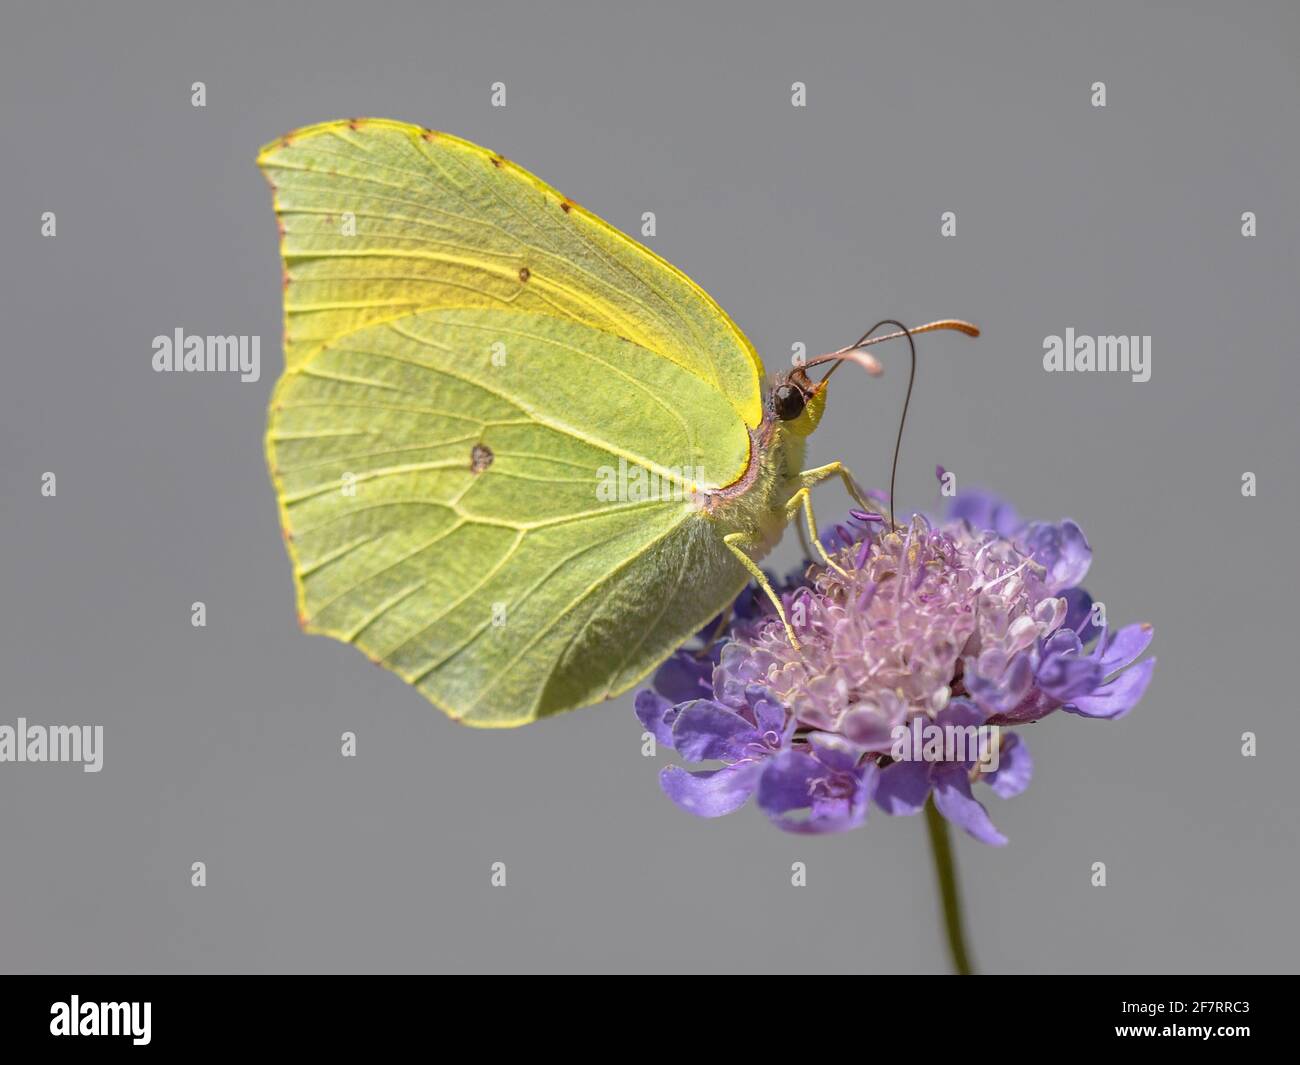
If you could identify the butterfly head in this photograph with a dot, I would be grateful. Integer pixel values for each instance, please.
(797, 401)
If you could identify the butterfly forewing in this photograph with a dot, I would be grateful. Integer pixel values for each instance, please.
(380, 219)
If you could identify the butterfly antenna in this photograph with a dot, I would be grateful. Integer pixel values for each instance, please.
(853, 353)
(902, 418)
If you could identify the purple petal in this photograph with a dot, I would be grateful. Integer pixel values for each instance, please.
(903, 787)
(736, 671)
(656, 713)
(794, 782)
(769, 712)
(1015, 767)
(1078, 614)
(683, 677)
(711, 792)
(1066, 677)
(1062, 550)
(961, 712)
(787, 782)
(1125, 646)
(1117, 697)
(953, 798)
(838, 814)
(835, 752)
(870, 726)
(1064, 641)
(985, 511)
(704, 731)
(1005, 694)
(749, 603)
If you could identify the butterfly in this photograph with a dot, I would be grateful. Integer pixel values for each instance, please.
(519, 458)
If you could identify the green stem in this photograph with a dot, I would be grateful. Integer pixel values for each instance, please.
(949, 893)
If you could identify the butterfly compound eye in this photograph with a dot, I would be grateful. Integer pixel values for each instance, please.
(788, 402)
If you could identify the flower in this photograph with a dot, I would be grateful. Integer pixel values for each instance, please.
(955, 630)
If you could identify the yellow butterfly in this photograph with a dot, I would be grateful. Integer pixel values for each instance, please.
(519, 457)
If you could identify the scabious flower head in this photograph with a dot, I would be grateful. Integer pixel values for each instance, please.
(916, 649)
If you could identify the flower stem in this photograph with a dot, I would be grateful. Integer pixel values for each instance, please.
(949, 892)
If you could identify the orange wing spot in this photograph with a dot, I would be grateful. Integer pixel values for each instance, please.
(429, 134)
(353, 123)
(303, 620)
(279, 225)
(566, 206)
(287, 279)
(524, 273)
(497, 161)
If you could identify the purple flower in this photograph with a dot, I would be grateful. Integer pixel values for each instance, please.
(965, 625)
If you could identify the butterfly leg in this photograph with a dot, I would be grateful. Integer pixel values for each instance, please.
(736, 543)
(803, 540)
(802, 500)
(837, 469)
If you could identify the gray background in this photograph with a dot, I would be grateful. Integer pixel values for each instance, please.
(222, 744)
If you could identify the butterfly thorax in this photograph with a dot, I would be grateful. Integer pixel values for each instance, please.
(755, 503)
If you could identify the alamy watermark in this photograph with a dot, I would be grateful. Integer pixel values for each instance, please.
(922, 740)
(208, 354)
(630, 483)
(1082, 354)
(75, 1017)
(22, 742)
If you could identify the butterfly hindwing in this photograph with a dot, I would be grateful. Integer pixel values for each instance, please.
(474, 527)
